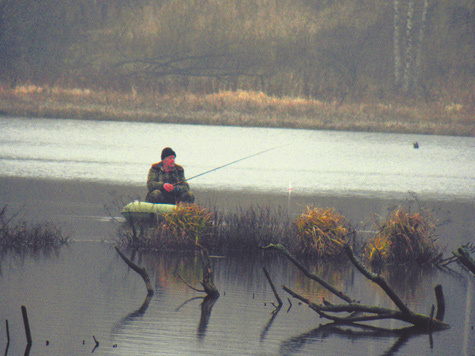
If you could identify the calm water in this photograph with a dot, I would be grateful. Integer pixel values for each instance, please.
(85, 289)
(310, 161)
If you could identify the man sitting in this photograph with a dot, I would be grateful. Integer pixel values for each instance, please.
(166, 181)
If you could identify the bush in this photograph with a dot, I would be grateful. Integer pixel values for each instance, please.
(404, 237)
(321, 233)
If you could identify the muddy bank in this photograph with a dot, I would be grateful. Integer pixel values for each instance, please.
(84, 209)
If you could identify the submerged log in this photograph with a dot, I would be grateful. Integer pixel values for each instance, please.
(360, 313)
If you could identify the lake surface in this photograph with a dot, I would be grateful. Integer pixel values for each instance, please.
(86, 290)
(309, 161)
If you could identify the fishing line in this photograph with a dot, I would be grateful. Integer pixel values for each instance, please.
(233, 162)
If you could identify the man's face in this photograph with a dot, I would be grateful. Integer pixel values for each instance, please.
(168, 163)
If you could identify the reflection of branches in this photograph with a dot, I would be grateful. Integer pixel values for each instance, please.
(206, 308)
(133, 315)
(403, 335)
(357, 312)
(269, 324)
(186, 302)
(141, 311)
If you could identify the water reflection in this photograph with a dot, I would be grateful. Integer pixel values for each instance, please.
(88, 290)
(206, 307)
(359, 333)
(131, 317)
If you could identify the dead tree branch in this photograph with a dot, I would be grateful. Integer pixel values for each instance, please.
(208, 276)
(356, 312)
(376, 278)
(279, 301)
(309, 274)
(141, 271)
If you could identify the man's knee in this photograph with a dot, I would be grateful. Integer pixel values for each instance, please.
(187, 197)
(155, 197)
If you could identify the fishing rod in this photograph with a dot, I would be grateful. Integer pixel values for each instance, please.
(233, 162)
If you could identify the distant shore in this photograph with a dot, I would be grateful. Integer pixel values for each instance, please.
(238, 109)
(84, 209)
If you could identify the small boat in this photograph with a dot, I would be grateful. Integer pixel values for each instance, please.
(141, 210)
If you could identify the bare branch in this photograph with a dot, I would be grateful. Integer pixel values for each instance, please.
(376, 278)
(307, 273)
(279, 301)
(141, 271)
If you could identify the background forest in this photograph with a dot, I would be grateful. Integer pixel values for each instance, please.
(331, 50)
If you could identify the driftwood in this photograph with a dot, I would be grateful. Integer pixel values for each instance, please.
(141, 271)
(358, 312)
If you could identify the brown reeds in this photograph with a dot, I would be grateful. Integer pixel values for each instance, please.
(19, 234)
(321, 232)
(402, 238)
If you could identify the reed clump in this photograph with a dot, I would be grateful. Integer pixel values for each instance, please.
(402, 238)
(19, 235)
(183, 229)
(248, 230)
(321, 232)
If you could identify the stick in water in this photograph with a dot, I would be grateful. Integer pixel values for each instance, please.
(27, 324)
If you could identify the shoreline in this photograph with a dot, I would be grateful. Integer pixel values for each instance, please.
(81, 209)
(251, 109)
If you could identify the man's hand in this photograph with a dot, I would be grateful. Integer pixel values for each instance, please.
(168, 187)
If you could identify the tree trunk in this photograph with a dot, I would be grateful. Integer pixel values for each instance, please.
(408, 54)
(419, 45)
(397, 46)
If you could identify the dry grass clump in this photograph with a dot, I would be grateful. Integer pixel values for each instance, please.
(184, 228)
(18, 235)
(180, 230)
(404, 237)
(321, 232)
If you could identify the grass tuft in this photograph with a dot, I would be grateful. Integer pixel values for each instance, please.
(321, 232)
(19, 235)
(404, 237)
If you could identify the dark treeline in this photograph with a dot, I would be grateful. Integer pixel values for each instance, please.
(325, 49)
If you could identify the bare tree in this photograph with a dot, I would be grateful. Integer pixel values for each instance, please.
(406, 78)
